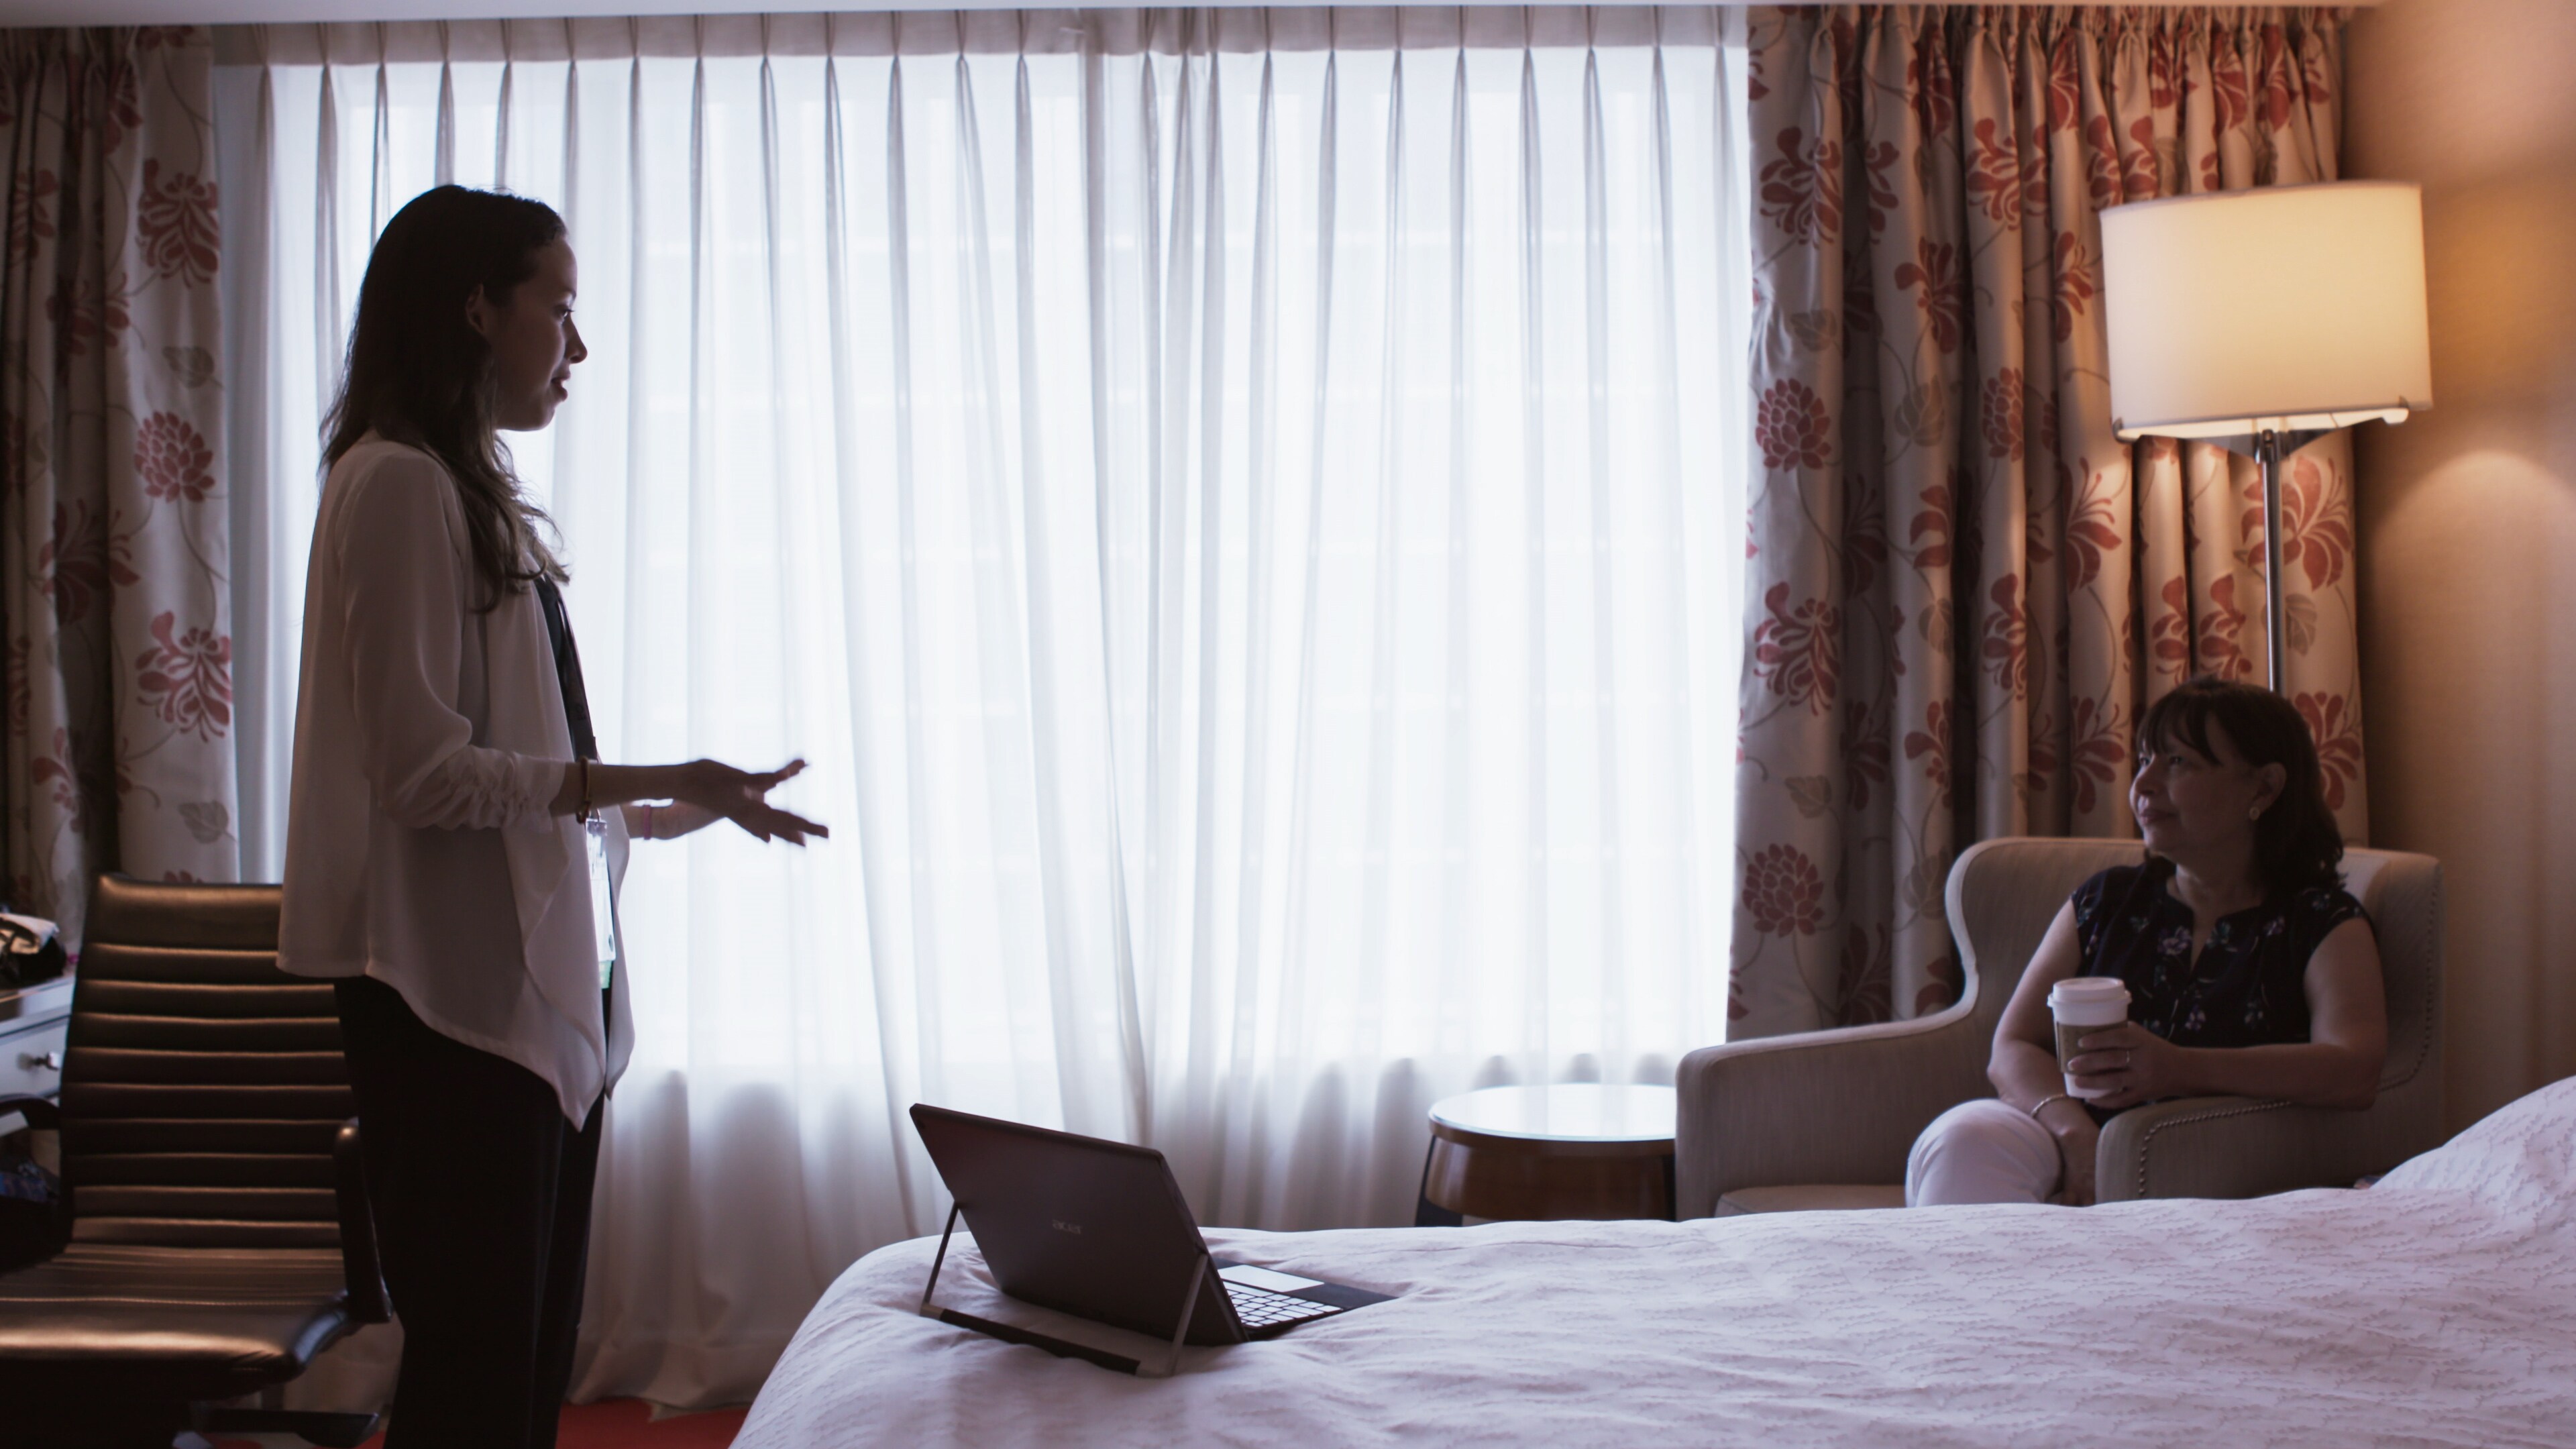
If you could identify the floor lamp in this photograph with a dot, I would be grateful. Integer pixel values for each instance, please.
(2262, 320)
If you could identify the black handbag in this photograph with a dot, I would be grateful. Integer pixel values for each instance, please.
(31, 952)
(34, 1217)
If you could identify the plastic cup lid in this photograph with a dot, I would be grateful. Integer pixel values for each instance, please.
(2077, 990)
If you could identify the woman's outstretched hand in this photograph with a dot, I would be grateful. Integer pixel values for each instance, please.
(742, 796)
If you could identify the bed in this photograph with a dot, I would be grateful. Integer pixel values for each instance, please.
(2437, 1308)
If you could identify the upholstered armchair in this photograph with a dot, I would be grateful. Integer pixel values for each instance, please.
(1825, 1119)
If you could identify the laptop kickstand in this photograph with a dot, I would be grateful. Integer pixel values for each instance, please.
(926, 1310)
(1189, 1305)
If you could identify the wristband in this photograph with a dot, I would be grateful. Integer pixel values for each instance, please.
(2042, 1104)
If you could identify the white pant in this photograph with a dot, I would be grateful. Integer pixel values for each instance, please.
(1982, 1151)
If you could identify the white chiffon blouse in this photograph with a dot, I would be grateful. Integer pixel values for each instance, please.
(429, 742)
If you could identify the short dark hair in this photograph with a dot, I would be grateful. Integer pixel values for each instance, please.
(2297, 845)
(418, 374)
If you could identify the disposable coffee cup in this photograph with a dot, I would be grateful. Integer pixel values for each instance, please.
(2083, 1005)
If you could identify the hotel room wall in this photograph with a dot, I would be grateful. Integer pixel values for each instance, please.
(2468, 518)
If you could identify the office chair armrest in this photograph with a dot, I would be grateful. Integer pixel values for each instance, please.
(43, 1114)
(367, 1299)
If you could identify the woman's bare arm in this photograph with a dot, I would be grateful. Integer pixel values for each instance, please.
(738, 795)
(2337, 1066)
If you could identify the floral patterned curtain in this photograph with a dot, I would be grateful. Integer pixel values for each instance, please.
(1962, 587)
(113, 535)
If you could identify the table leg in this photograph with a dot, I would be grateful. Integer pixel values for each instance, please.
(1426, 1213)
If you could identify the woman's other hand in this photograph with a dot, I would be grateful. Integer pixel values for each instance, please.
(666, 819)
(2129, 1063)
(2079, 1144)
(2024, 1066)
(741, 796)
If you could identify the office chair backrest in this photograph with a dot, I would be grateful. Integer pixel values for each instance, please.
(202, 1087)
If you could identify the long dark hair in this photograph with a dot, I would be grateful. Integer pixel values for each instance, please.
(2297, 845)
(419, 374)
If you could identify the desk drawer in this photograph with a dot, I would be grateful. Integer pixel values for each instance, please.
(30, 1058)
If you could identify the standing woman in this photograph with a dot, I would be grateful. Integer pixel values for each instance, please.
(451, 844)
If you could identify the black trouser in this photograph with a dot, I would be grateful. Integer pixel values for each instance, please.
(482, 1203)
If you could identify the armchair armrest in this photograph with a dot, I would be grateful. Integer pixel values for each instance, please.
(368, 1302)
(42, 1114)
(1839, 1106)
(2238, 1147)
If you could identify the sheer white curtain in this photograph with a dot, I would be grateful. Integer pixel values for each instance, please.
(1241, 509)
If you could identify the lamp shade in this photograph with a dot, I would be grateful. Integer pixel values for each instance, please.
(2290, 308)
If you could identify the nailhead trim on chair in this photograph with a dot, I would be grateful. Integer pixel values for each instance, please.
(2146, 1144)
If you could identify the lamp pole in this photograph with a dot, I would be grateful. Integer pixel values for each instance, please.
(2267, 452)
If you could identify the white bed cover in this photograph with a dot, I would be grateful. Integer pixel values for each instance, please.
(2436, 1308)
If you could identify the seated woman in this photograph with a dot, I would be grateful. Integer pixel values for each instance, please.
(2251, 971)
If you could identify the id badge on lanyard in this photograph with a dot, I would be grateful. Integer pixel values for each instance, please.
(603, 897)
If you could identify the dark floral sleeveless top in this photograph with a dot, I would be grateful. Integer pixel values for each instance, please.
(2249, 987)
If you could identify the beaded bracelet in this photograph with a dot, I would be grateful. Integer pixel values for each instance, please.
(2042, 1104)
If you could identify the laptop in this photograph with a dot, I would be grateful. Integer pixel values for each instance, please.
(1098, 1230)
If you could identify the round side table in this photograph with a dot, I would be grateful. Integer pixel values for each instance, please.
(1579, 1150)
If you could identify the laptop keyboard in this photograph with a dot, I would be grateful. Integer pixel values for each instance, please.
(1260, 1308)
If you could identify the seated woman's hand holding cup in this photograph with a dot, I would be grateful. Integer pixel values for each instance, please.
(2125, 1064)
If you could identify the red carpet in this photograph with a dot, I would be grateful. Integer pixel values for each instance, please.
(627, 1424)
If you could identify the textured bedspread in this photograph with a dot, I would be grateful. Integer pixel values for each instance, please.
(2436, 1308)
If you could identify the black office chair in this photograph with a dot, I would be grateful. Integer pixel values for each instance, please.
(220, 1231)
